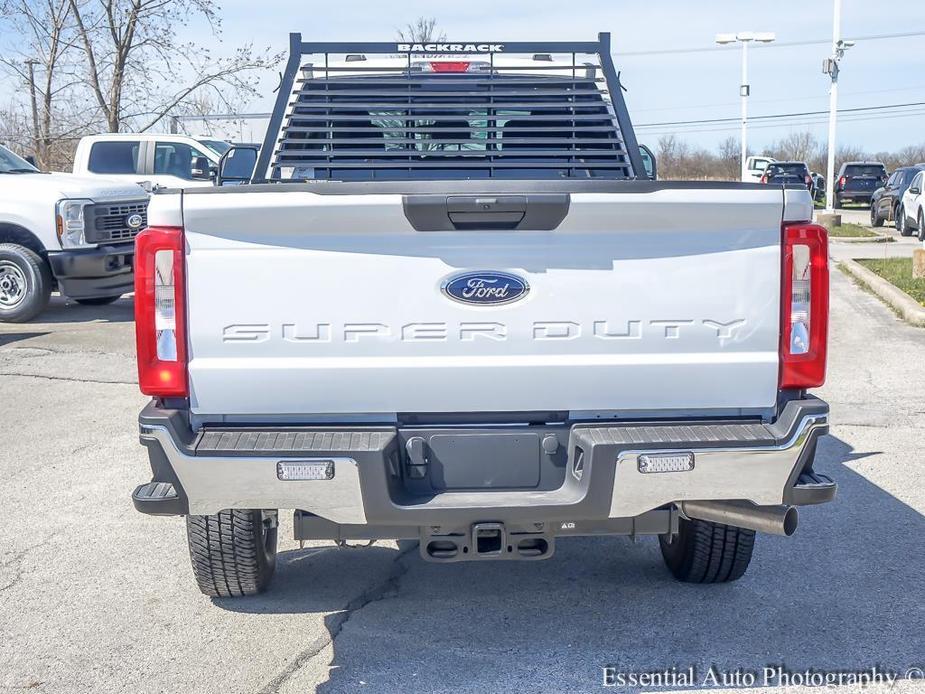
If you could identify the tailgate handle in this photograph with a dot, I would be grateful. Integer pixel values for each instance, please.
(538, 212)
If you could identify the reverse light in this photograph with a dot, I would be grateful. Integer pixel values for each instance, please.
(804, 306)
(291, 470)
(666, 462)
(160, 312)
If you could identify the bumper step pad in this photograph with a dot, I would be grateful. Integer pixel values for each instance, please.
(813, 488)
(157, 499)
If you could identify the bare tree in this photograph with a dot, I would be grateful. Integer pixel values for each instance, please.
(797, 146)
(729, 162)
(138, 72)
(421, 30)
(40, 62)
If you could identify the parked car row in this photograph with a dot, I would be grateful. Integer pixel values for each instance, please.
(889, 203)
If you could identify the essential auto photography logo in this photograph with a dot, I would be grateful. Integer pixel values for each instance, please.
(774, 676)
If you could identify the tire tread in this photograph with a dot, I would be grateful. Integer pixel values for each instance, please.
(227, 553)
(705, 552)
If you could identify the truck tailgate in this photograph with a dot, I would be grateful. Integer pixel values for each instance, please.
(303, 303)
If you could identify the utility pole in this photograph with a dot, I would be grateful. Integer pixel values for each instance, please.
(744, 90)
(39, 156)
(831, 66)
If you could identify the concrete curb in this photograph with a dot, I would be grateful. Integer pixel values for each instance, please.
(908, 308)
(879, 238)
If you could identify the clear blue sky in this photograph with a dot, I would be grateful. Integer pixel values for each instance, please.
(668, 87)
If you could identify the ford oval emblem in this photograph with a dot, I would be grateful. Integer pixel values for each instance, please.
(134, 221)
(486, 288)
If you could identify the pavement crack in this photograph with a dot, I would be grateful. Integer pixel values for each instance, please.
(68, 378)
(383, 590)
(19, 573)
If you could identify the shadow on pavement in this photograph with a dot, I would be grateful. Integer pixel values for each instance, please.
(62, 310)
(845, 593)
(9, 338)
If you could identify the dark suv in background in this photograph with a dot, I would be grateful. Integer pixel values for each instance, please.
(885, 200)
(788, 173)
(857, 181)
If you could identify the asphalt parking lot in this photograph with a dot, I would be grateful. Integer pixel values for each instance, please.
(95, 597)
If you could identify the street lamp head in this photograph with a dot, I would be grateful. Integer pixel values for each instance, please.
(745, 37)
(845, 45)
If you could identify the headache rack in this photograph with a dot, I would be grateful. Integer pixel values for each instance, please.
(449, 110)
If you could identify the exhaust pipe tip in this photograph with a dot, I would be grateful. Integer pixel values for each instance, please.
(790, 521)
(776, 520)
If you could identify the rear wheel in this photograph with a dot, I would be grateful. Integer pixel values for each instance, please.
(98, 300)
(705, 552)
(901, 225)
(920, 225)
(875, 219)
(25, 283)
(233, 552)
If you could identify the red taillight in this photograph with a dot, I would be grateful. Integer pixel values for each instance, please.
(764, 179)
(451, 66)
(804, 306)
(842, 181)
(809, 181)
(160, 312)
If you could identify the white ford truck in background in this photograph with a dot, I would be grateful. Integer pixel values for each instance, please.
(65, 232)
(150, 159)
(450, 306)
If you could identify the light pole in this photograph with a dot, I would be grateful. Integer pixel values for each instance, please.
(831, 66)
(744, 37)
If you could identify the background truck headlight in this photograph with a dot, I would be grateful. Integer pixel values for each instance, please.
(69, 223)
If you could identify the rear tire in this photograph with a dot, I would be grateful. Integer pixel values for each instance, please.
(901, 225)
(98, 300)
(233, 552)
(705, 552)
(921, 226)
(875, 219)
(25, 283)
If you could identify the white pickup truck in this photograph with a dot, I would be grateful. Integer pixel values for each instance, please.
(66, 232)
(150, 159)
(451, 307)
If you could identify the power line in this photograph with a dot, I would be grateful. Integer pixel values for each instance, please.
(777, 44)
(780, 115)
(816, 97)
(791, 124)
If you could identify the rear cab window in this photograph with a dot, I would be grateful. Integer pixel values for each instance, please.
(461, 121)
(114, 157)
(794, 169)
(874, 170)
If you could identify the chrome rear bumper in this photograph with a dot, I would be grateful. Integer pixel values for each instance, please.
(375, 483)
